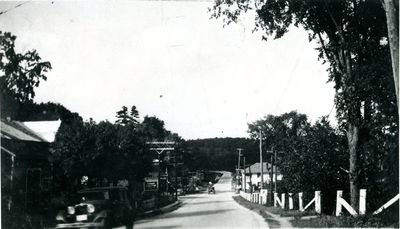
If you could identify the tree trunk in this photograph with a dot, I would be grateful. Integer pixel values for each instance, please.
(352, 138)
(391, 10)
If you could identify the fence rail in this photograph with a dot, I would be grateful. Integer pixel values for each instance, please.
(261, 198)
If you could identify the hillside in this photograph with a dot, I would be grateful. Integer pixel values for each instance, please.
(219, 153)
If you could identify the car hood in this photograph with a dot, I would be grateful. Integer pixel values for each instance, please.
(99, 204)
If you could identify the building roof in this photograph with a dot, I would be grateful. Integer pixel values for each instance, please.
(255, 168)
(46, 129)
(43, 131)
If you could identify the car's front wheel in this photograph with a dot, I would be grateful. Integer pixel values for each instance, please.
(129, 224)
(130, 221)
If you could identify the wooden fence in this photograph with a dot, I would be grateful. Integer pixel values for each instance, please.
(261, 198)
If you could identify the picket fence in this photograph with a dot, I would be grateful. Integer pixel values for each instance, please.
(261, 198)
(258, 197)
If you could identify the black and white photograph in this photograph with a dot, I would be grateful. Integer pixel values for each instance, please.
(167, 114)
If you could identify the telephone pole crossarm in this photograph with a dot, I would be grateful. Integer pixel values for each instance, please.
(160, 143)
(160, 147)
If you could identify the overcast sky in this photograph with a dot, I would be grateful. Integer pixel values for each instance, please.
(171, 61)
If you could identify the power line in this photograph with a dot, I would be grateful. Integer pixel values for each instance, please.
(290, 79)
(12, 8)
(333, 106)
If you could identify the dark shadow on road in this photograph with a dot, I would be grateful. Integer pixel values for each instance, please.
(191, 197)
(219, 191)
(195, 213)
(208, 202)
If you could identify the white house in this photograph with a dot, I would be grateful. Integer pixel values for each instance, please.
(253, 174)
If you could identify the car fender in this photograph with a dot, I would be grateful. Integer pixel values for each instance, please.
(61, 216)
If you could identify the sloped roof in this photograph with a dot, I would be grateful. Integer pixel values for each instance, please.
(255, 168)
(17, 130)
(45, 130)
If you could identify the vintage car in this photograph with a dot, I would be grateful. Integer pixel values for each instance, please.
(100, 207)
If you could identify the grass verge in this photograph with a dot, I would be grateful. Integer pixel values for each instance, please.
(326, 221)
(388, 219)
(259, 209)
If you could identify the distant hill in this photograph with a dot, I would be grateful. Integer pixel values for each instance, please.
(219, 153)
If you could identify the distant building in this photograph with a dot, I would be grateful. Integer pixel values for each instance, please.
(26, 162)
(253, 174)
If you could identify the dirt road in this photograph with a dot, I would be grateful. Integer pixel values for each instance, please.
(207, 211)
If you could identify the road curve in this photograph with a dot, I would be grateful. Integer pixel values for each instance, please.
(207, 211)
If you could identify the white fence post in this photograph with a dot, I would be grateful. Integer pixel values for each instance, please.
(290, 201)
(276, 199)
(317, 203)
(341, 202)
(301, 201)
(281, 201)
(263, 196)
(362, 202)
(253, 198)
(339, 194)
(316, 200)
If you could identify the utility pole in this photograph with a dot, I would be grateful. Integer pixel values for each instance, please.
(272, 172)
(244, 173)
(238, 168)
(166, 179)
(276, 172)
(269, 172)
(240, 154)
(176, 164)
(261, 162)
(176, 178)
(251, 183)
(160, 147)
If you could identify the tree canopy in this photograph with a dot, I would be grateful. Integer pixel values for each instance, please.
(351, 38)
(20, 74)
(108, 151)
(219, 153)
(125, 117)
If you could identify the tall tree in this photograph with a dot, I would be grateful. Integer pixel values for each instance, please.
(392, 16)
(134, 113)
(152, 128)
(345, 30)
(305, 153)
(20, 74)
(123, 116)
